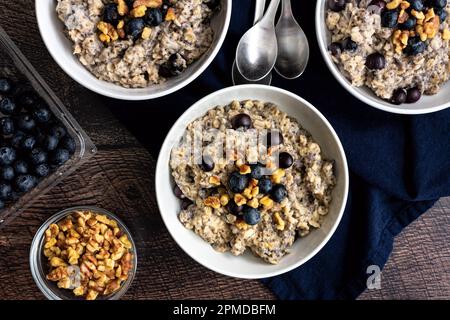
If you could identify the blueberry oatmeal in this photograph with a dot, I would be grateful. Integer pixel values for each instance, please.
(137, 43)
(259, 181)
(397, 48)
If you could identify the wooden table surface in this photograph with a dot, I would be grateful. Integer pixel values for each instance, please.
(120, 178)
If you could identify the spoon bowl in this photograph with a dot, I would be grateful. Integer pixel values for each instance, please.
(256, 53)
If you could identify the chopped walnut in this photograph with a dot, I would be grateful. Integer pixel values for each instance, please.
(95, 244)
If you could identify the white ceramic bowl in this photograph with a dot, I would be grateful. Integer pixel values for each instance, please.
(247, 265)
(60, 48)
(426, 104)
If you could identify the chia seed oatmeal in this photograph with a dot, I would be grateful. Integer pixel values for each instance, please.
(138, 43)
(398, 49)
(243, 194)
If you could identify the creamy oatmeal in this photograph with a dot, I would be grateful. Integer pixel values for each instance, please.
(258, 182)
(137, 43)
(399, 49)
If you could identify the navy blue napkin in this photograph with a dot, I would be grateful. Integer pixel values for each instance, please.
(399, 165)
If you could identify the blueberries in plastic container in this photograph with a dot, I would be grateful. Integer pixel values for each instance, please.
(59, 157)
(5, 85)
(50, 142)
(7, 156)
(6, 126)
(58, 131)
(42, 114)
(42, 170)
(7, 106)
(26, 122)
(7, 173)
(28, 143)
(5, 191)
(69, 144)
(38, 156)
(25, 183)
(20, 167)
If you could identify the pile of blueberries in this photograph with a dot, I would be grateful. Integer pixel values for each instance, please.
(153, 18)
(33, 143)
(237, 182)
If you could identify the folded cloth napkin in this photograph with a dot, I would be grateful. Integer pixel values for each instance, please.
(399, 165)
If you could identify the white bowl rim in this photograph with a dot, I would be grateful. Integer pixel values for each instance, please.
(160, 166)
(341, 79)
(130, 95)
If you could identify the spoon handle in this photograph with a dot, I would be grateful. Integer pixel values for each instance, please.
(260, 6)
(269, 17)
(286, 9)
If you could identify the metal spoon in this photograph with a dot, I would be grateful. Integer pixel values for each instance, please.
(257, 50)
(236, 76)
(293, 47)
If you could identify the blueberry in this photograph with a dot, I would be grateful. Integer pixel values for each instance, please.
(110, 13)
(416, 5)
(7, 126)
(153, 17)
(415, 46)
(438, 3)
(42, 170)
(379, 3)
(2, 204)
(20, 167)
(38, 156)
(5, 85)
(375, 61)
(185, 203)
(207, 164)
(59, 157)
(50, 143)
(285, 160)
(274, 138)
(69, 144)
(17, 139)
(265, 185)
(233, 208)
(42, 115)
(336, 5)
(278, 193)
(241, 120)
(8, 106)
(389, 18)
(27, 100)
(335, 48)
(251, 216)
(28, 143)
(178, 193)
(25, 183)
(58, 131)
(26, 122)
(398, 97)
(7, 156)
(413, 95)
(5, 191)
(442, 13)
(171, 68)
(409, 24)
(257, 171)
(349, 45)
(134, 28)
(213, 4)
(237, 182)
(7, 173)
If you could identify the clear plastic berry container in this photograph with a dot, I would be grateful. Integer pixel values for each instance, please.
(14, 66)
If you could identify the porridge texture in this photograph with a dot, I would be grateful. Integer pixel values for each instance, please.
(258, 196)
(399, 49)
(137, 43)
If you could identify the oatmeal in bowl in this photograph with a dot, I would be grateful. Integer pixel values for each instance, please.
(133, 49)
(256, 183)
(391, 54)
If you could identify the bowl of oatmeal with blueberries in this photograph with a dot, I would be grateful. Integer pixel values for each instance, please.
(133, 49)
(251, 181)
(391, 54)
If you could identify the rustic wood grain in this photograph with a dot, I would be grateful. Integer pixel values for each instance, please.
(120, 178)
